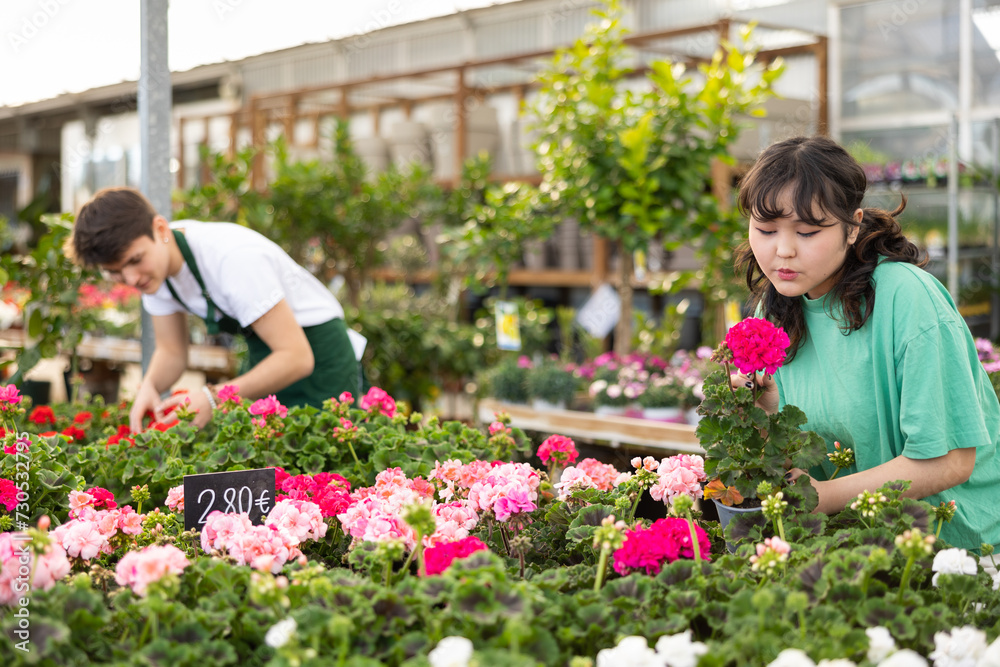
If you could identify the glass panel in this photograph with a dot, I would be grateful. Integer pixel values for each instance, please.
(899, 56)
(913, 162)
(986, 53)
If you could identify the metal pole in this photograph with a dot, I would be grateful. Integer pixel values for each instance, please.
(953, 208)
(154, 122)
(995, 263)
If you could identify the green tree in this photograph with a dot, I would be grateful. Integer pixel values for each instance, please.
(634, 161)
(342, 210)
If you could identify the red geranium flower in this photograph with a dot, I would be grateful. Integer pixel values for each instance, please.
(75, 432)
(82, 417)
(42, 414)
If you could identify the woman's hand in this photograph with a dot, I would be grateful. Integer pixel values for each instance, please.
(766, 388)
(165, 411)
(146, 400)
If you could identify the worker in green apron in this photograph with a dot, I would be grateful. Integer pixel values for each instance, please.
(238, 281)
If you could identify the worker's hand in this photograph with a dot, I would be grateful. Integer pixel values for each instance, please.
(145, 402)
(763, 384)
(195, 401)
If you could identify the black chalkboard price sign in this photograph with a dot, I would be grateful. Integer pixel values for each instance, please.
(250, 491)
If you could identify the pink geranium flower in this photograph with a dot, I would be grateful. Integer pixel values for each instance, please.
(10, 395)
(558, 448)
(47, 568)
(265, 407)
(138, 569)
(377, 401)
(8, 494)
(175, 498)
(649, 549)
(757, 345)
(438, 558)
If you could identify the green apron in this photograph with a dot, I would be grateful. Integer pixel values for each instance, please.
(335, 370)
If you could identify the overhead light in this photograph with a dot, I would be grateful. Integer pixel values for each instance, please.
(987, 21)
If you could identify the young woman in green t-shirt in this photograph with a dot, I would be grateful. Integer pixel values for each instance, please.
(880, 359)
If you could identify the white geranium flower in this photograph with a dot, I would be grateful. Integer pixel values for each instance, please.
(953, 561)
(839, 662)
(792, 657)
(904, 658)
(679, 651)
(633, 651)
(880, 644)
(991, 656)
(961, 648)
(279, 633)
(451, 652)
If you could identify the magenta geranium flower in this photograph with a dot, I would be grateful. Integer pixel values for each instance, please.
(268, 406)
(438, 558)
(10, 395)
(757, 345)
(558, 448)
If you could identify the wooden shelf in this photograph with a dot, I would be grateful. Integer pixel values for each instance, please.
(592, 427)
(206, 358)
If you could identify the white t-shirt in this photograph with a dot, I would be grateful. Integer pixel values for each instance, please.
(246, 275)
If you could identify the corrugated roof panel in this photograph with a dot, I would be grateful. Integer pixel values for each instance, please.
(501, 38)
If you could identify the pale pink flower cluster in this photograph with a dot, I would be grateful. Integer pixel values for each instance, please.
(138, 569)
(300, 518)
(375, 512)
(457, 477)
(453, 520)
(15, 553)
(91, 532)
(508, 489)
(264, 548)
(679, 475)
(175, 498)
(589, 474)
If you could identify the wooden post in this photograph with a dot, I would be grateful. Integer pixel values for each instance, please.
(822, 77)
(257, 125)
(291, 116)
(205, 174)
(234, 129)
(461, 92)
(181, 171)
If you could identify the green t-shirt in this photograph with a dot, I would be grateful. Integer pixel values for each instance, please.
(909, 382)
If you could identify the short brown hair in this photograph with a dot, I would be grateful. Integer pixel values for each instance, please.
(108, 224)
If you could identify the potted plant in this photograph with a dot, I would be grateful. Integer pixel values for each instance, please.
(744, 445)
(663, 398)
(507, 381)
(550, 386)
(612, 392)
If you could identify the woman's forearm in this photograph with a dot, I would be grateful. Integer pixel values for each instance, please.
(927, 477)
(274, 372)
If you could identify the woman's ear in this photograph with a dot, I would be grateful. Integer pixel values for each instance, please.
(852, 235)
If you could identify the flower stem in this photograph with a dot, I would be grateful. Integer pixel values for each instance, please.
(694, 537)
(781, 529)
(836, 472)
(937, 533)
(905, 581)
(351, 447)
(602, 565)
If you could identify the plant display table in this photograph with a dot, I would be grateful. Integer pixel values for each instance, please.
(210, 359)
(590, 426)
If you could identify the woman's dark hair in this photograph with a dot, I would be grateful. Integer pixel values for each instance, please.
(108, 224)
(824, 177)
